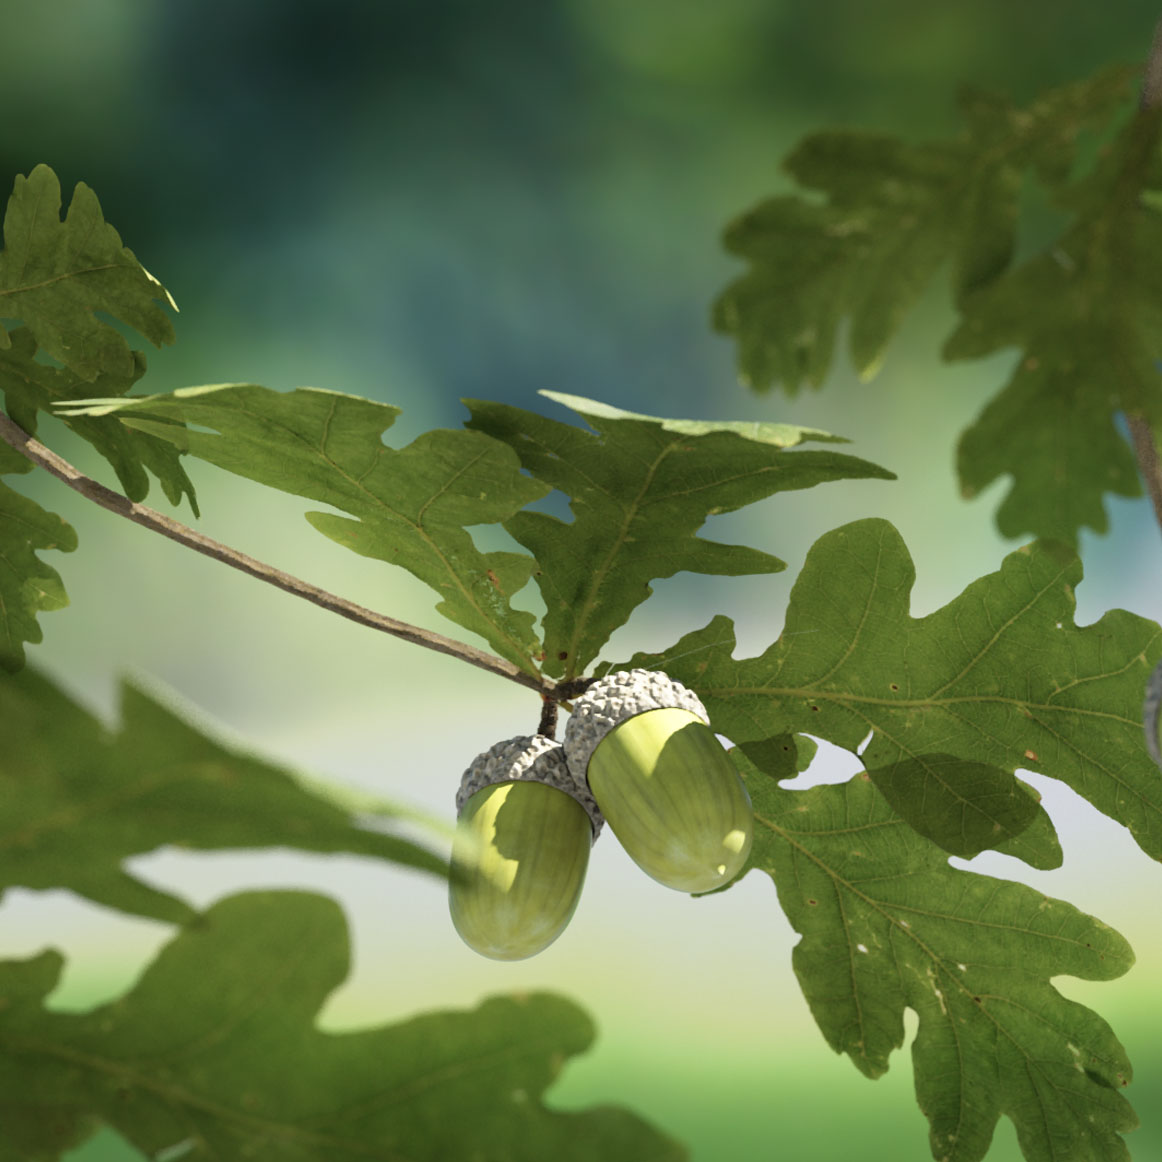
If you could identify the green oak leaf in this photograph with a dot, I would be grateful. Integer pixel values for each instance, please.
(55, 276)
(27, 585)
(892, 213)
(1085, 314)
(215, 1054)
(640, 487)
(998, 679)
(887, 924)
(30, 386)
(411, 506)
(80, 799)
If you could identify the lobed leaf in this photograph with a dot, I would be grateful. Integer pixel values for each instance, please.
(55, 276)
(27, 585)
(943, 709)
(887, 924)
(30, 387)
(215, 1054)
(411, 506)
(892, 214)
(1085, 315)
(640, 487)
(79, 799)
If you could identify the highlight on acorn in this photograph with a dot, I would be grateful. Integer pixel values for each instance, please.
(665, 784)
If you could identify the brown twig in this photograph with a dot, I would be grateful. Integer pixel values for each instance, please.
(1149, 465)
(150, 518)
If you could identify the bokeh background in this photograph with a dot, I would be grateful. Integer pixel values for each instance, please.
(420, 200)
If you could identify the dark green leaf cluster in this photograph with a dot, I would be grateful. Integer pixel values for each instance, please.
(215, 1054)
(1084, 312)
(942, 711)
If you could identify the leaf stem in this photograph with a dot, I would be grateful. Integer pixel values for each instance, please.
(1141, 433)
(150, 518)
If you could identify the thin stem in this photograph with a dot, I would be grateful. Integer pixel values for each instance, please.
(89, 488)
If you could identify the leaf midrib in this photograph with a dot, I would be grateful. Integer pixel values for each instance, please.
(598, 576)
(33, 286)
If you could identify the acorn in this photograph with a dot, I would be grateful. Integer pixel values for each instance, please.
(523, 834)
(643, 744)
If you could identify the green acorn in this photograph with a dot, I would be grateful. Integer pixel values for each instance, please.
(662, 779)
(523, 834)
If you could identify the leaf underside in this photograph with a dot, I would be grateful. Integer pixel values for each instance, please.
(410, 507)
(640, 488)
(79, 800)
(887, 924)
(239, 1070)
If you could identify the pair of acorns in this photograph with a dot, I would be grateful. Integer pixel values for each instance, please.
(639, 754)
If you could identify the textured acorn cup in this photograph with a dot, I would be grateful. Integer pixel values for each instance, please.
(662, 779)
(521, 850)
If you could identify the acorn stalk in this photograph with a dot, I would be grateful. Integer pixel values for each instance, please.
(521, 849)
(662, 779)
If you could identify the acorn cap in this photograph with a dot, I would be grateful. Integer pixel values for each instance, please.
(613, 699)
(533, 758)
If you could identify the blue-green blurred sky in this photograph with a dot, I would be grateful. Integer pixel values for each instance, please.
(429, 199)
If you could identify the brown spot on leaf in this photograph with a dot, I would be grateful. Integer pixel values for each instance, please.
(1032, 755)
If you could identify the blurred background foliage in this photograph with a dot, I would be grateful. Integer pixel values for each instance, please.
(420, 200)
(483, 199)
